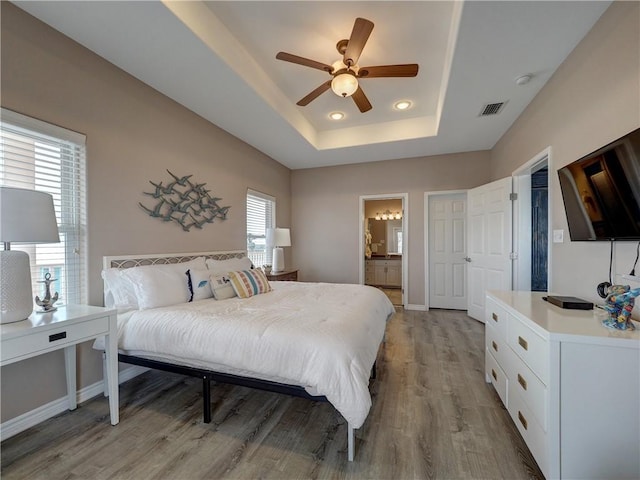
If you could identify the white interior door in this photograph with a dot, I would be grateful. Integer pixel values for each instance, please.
(488, 242)
(447, 247)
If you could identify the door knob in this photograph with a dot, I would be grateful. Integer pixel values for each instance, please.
(467, 259)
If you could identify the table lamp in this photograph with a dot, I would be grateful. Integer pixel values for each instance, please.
(278, 238)
(26, 216)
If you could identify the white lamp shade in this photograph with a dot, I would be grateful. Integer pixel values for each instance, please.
(278, 237)
(27, 216)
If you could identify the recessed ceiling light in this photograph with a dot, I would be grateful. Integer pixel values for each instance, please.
(336, 115)
(402, 105)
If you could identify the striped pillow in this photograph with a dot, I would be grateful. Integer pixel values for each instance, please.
(247, 283)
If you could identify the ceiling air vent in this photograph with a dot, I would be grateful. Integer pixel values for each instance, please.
(492, 109)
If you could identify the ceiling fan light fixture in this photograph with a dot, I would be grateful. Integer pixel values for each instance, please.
(402, 105)
(344, 85)
(336, 115)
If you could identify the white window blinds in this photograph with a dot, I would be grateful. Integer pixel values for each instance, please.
(261, 213)
(44, 157)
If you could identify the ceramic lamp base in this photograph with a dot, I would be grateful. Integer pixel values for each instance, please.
(16, 302)
(278, 260)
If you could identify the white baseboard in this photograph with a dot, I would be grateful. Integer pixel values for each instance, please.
(29, 419)
(413, 306)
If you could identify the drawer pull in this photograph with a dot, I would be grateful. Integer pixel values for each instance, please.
(494, 316)
(523, 420)
(494, 375)
(523, 343)
(494, 345)
(57, 336)
(522, 381)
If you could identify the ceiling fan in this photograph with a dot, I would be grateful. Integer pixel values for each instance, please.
(346, 72)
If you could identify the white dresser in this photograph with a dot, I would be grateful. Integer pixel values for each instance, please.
(571, 386)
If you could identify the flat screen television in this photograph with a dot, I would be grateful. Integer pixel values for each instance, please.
(601, 192)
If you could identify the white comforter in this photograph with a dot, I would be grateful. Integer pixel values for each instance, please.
(321, 336)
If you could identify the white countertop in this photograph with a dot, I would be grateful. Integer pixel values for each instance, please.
(555, 323)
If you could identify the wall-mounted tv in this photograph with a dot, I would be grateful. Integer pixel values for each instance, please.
(601, 192)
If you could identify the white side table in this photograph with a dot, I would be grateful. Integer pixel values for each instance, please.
(65, 328)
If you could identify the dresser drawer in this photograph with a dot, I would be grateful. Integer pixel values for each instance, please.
(496, 316)
(52, 339)
(496, 344)
(528, 386)
(530, 347)
(531, 431)
(496, 376)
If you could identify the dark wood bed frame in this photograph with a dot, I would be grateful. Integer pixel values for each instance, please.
(207, 375)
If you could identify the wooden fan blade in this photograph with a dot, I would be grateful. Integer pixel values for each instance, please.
(359, 35)
(315, 94)
(361, 101)
(288, 57)
(406, 70)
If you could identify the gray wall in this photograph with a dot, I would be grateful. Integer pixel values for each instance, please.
(325, 211)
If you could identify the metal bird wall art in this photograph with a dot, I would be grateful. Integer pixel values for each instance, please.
(184, 202)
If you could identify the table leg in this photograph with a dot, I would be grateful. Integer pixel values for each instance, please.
(111, 352)
(70, 371)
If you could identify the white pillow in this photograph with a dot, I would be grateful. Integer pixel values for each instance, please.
(221, 287)
(222, 267)
(118, 290)
(161, 285)
(199, 284)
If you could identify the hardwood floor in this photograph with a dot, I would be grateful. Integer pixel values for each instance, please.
(433, 416)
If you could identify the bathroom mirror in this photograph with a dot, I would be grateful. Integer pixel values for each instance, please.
(386, 237)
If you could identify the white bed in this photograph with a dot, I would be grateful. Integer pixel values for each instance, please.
(318, 336)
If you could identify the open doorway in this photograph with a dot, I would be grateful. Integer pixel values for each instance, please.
(531, 225)
(383, 247)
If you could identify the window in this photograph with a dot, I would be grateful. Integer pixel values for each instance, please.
(261, 214)
(40, 156)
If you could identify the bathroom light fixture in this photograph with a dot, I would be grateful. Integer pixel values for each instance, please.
(388, 215)
(402, 105)
(336, 115)
(524, 79)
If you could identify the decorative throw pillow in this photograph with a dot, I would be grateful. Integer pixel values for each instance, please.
(247, 283)
(221, 287)
(198, 282)
(222, 267)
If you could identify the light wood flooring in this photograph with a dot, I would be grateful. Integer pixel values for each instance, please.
(433, 416)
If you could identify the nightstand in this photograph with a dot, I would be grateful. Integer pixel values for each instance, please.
(65, 328)
(288, 275)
